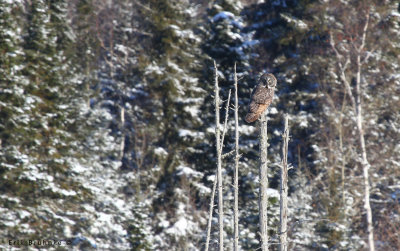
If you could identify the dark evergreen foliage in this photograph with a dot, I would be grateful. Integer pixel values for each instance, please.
(107, 120)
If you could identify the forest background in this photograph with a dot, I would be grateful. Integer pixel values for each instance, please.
(107, 120)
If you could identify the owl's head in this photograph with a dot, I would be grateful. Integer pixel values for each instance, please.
(268, 80)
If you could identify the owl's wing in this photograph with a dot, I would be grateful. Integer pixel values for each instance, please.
(261, 95)
(253, 107)
(256, 95)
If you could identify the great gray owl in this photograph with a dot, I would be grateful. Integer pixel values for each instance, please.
(261, 97)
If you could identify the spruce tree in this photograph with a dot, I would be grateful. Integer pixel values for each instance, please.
(11, 59)
(39, 120)
(169, 69)
(149, 82)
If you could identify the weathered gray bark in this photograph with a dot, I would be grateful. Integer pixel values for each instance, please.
(284, 189)
(225, 123)
(236, 172)
(218, 176)
(210, 213)
(263, 196)
(219, 163)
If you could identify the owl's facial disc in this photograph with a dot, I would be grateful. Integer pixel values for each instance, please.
(271, 83)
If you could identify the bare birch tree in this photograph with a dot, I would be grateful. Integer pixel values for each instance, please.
(345, 57)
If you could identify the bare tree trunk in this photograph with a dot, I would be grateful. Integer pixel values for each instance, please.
(284, 189)
(122, 145)
(218, 176)
(236, 172)
(365, 164)
(355, 99)
(219, 163)
(263, 199)
(343, 155)
(225, 123)
(367, 206)
(210, 213)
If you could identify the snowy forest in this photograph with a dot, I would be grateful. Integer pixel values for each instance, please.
(107, 122)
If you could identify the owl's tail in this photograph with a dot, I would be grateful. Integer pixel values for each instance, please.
(251, 117)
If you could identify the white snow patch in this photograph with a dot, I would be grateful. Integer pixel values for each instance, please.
(23, 214)
(164, 224)
(105, 221)
(295, 22)
(277, 133)
(77, 167)
(234, 36)
(211, 178)
(179, 228)
(316, 148)
(122, 48)
(246, 129)
(193, 110)
(395, 14)
(273, 110)
(303, 123)
(223, 15)
(160, 151)
(186, 133)
(174, 66)
(153, 68)
(64, 192)
(202, 189)
(272, 193)
(188, 172)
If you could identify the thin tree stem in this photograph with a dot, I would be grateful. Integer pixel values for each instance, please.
(219, 163)
(236, 172)
(226, 120)
(210, 213)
